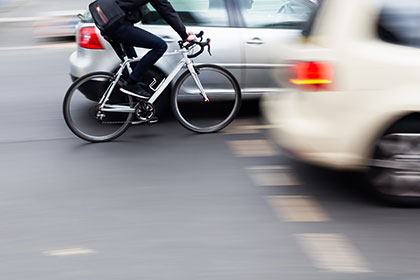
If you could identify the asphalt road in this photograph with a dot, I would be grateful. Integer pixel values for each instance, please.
(163, 203)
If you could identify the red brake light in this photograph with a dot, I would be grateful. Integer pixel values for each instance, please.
(312, 75)
(89, 39)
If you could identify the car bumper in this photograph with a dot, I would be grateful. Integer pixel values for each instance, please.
(314, 137)
(84, 61)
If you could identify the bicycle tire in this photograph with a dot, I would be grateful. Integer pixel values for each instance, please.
(88, 80)
(229, 82)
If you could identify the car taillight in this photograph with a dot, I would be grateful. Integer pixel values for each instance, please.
(312, 75)
(89, 39)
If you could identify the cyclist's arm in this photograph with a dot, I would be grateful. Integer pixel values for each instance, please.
(165, 9)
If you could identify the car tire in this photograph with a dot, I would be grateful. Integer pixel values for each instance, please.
(394, 173)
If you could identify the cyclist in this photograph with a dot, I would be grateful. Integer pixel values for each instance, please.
(130, 36)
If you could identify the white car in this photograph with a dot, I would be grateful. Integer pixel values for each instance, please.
(354, 97)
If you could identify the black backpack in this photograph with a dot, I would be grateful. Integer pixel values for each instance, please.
(107, 15)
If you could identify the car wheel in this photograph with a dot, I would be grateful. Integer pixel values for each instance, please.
(394, 173)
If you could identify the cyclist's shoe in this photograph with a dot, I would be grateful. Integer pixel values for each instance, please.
(135, 89)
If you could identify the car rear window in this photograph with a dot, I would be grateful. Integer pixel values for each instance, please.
(399, 22)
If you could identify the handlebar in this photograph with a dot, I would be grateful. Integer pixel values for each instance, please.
(190, 44)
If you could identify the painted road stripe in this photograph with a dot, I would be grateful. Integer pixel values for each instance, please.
(239, 130)
(244, 127)
(267, 176)
(332, 252)
(236, 127)
(243, 122)
(69, 252)
(35, 47)
(268, 167)
(253, 148)
(297, 209)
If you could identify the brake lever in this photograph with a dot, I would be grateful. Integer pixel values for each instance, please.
(208, 46)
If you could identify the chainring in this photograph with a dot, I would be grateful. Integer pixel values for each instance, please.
(144, 111)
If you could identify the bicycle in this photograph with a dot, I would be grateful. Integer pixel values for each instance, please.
(204, 99)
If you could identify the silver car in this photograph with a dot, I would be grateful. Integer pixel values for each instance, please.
(244, 33)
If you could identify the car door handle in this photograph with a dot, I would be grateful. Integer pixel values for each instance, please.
(255, 41)
(168, 39)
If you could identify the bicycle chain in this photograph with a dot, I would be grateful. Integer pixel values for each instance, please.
(112, 122)
(144, 121)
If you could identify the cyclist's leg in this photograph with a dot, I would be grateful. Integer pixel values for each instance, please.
(130, 36)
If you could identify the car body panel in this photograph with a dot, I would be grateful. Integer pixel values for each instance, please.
(261, 59)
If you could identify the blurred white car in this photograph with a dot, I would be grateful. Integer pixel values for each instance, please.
(354, 98)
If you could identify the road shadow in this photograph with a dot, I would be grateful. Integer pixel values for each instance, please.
(327, 184)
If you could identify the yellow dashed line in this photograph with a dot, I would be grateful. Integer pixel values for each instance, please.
(332, 252)
(270, 176)
(237, 127)
(268, 167)
(253, 148)
(246, 127)
(297, 209)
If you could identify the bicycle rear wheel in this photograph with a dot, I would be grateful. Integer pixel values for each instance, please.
(81, 109)
(206, 117)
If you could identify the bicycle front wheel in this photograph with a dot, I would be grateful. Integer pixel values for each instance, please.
(205, 117)
(81, 108)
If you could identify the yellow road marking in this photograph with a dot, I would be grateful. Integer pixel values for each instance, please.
(245, 127)
(243, 122)
(270, 179)
(236, 127)
(297, 209)
(253, 148)
(332, 252)
(239, 130)
(268, 167)
(270, 176)
(69, 252)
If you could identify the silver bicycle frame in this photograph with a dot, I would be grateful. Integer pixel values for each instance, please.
(162, 86)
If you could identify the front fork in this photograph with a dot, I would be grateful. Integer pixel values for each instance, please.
(197, 81)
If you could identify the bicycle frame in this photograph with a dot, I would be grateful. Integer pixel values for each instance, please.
(162, 86)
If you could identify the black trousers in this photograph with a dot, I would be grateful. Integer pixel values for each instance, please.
(130, 36)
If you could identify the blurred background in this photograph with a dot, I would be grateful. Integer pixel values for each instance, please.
(317, 178)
